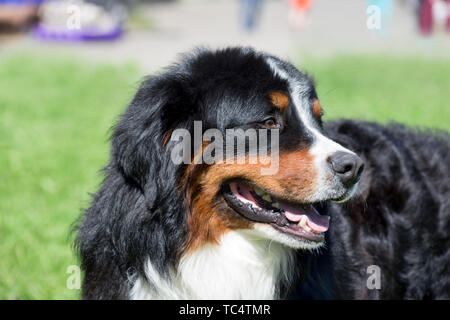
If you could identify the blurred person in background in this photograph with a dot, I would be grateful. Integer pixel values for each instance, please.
(425, 16)
(298, 13)
(250, 12)
(433, 15)
(448, 16)
(440, 14)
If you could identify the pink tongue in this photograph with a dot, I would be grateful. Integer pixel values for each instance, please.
(314, 220)
(242, 193)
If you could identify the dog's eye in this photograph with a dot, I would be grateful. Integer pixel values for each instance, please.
(271, 123)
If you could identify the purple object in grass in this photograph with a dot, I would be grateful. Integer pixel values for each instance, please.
(20, 2)
(41, 32)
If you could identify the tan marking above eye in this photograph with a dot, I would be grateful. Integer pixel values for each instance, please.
(317, 109)
(279, 99)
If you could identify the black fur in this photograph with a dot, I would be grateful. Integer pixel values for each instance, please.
(139, 213)
(399, 220)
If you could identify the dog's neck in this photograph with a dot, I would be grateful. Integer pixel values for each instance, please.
(242, 266)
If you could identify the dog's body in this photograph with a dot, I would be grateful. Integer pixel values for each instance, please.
(159, 230)
(399, 220)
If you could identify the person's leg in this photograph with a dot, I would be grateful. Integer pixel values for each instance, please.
(250, 11)
(448, 16)
(426, 17)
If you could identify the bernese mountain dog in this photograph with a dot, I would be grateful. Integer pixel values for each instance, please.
(348, 198)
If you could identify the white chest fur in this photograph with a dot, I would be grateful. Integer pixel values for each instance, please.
(242, 266)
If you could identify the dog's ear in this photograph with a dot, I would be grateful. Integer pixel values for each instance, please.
(139, 141)
(130, 219)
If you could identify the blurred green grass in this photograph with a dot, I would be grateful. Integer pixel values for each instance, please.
(414, 91)
(55, 116)
(54, 122)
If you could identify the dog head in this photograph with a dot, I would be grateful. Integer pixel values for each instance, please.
(193, 109)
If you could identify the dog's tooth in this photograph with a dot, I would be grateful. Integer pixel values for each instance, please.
(258, 191)
(307, 228)
(276, 205)
(267, 197)
(302, 222)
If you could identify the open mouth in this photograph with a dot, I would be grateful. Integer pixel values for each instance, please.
(297, 219)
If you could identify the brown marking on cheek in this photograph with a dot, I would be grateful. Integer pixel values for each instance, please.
(210, 220)
(210, 217)
(298, 174)
(279, 99)
(317, 109)
(194, 168)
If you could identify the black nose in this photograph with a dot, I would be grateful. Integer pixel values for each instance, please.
(348, 167)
